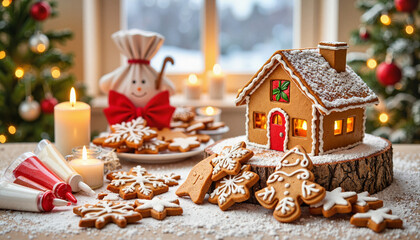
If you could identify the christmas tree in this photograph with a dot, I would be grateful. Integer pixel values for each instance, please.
(33, 74)
(391, 66)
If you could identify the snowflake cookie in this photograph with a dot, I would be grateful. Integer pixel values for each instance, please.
(153, 146)
(377, 220)
(229, 160)
(290, 184)
(158, 208)
(234, 188)
(198, 181)
(336, 201)
(184, 114)
(183, 144)
(365, 202)
(103, 212)
(131, 133)
(138, 183)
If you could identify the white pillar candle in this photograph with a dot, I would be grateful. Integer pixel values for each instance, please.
(210, 112)
(71, 124)
(192, 87)
(216, 80)
(91, 169)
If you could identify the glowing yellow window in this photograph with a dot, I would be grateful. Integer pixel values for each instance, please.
(260, 120)
(338, 127)
(276, 119)
(350, 124)
(300, 127)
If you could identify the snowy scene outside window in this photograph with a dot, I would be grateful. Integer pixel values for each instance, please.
(179, 21)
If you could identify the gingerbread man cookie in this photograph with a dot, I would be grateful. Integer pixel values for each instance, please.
(198, 181)
(103, 212)
(158, 208)
(183, 144)
(136, 183)
(336, 201)
(229, 160)
(365, 202)
(234, 188)
(131, 133)
(377, 220)
(289, 185)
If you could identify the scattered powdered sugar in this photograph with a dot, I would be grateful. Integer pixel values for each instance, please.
(241, 220)
(335, 89)
(267, 157)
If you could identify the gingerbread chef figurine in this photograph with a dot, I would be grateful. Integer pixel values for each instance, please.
(136, 89)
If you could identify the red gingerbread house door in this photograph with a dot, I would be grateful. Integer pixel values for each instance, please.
(278, 131)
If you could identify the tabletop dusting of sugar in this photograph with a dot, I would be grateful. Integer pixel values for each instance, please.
(242, 220)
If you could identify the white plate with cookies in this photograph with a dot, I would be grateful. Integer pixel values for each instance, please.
(164, 156)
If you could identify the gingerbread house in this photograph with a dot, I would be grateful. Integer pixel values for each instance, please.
(306, 97)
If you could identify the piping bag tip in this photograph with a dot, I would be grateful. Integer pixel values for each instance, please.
(71, 197)
(60, 202)
(85, 188)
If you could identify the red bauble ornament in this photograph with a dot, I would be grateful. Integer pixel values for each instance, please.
(388, 74)
(364, 34)
(406, 5)
(40, 10)
(47, 105)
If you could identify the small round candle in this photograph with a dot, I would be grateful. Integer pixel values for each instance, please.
(216, 81)
(90, 168)
(210, 111)
(192, 87)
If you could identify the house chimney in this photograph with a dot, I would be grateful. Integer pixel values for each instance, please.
(335, 54)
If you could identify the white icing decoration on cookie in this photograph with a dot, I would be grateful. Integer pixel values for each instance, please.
(226, 156)
(157, 204)
(268, 193)
(276, 176)
(104, 209)
(286, 193)
(151, 145)
(308, 189)
(335, 197)
(363, 198)
(184, 143)
(141, 179)
(132, 131)
(378, 215)
(284, 204)
(112, 197)
(183, 113)
(287, 185)
(229, 185)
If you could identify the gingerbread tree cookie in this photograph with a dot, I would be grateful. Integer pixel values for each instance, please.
(233, 188)
(229, 160)
(336, 201)
(137, 183)
(377, 220)
(289, 185)
(198, 181)
(131, 133)
(365, 202)
(158, 208)
(103, 212)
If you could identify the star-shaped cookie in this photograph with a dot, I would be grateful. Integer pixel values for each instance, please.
(234, 188)
(158, 208)
(377, 220)
(365, 202)
(229, 160)
(103, 212)
(336, 201)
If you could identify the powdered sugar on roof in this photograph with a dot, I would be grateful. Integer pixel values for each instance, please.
(334, 89)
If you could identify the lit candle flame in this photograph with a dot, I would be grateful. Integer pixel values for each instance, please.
(84, 153)
(72, 97)
(192, 79)
(304, 125)
(217, 70)
(209, 110)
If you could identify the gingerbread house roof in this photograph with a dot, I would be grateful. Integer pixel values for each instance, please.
(328, 89)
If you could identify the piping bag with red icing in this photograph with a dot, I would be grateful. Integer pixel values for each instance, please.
(54, 160)
(17, 197)
(29, 168)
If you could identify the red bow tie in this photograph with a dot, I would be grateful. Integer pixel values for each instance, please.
(157, 112)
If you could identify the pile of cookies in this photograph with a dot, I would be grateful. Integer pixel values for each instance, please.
(184, 119)
(291, 184)
(136, 137)
(137, 183)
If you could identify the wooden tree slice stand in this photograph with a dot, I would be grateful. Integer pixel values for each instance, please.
(372, 172)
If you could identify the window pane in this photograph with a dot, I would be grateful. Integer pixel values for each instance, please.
(252, 30)
(350, 124)
(260, 120)
(338, 127)
(300, 127)
(178, 21)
